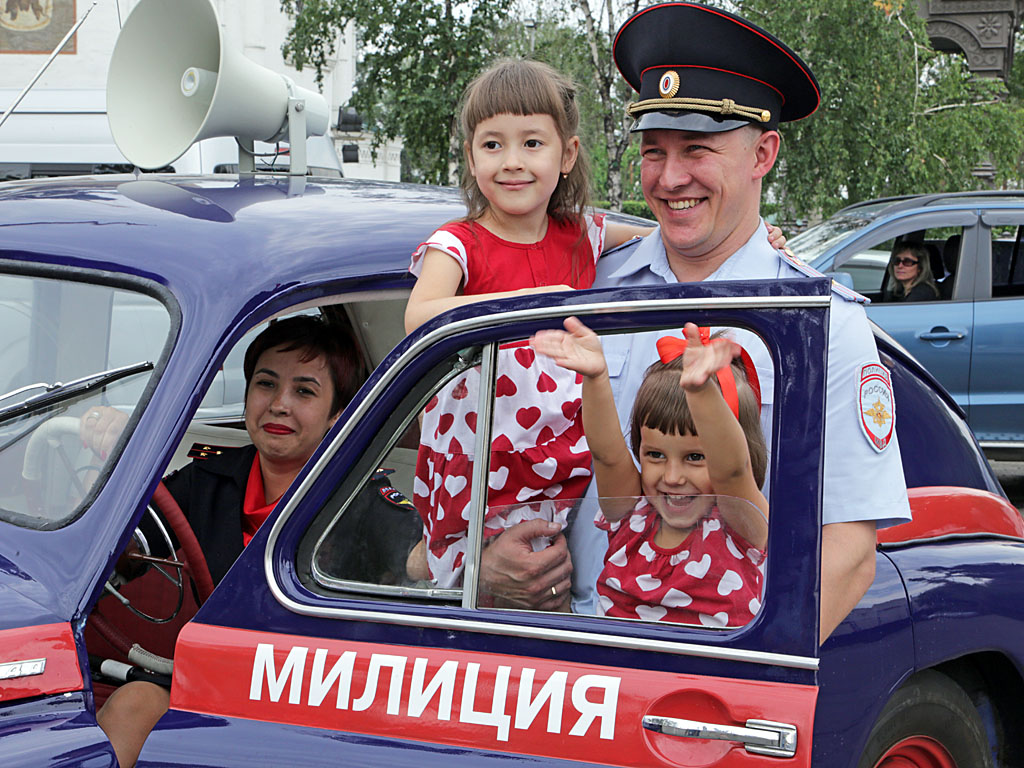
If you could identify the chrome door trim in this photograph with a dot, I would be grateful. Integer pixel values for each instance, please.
(558, 635)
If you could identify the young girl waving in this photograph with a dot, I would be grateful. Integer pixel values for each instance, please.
(526, 231)
(686, 542)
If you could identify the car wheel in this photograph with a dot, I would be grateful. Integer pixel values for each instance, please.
(928, 723)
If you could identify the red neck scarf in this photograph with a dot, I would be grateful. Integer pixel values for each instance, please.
(255, 510)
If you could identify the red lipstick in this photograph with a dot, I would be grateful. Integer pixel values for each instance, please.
(277, 429)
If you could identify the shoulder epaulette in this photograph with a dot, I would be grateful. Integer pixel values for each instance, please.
(631, 243)
(806, 269)
(205, 450)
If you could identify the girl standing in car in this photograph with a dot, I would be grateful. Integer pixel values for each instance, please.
(526, 232)
(686, 532)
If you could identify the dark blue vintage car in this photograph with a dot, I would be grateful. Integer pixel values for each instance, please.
(133, 291)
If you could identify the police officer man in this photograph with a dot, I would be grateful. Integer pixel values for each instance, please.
(712, 91)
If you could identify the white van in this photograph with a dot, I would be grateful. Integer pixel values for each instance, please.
(65, 133)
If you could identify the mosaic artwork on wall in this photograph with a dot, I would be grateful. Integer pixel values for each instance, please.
(35, 26)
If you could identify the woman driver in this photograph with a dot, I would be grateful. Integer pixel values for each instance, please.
(910, 275)
(300, 373)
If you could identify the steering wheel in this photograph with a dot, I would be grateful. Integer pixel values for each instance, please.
(192, 553)
(48, 437)
(194, 563)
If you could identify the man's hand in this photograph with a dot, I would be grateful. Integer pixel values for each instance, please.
(517, 577)
(847, 570)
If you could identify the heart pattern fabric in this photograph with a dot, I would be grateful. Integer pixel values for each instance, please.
(712, 579)
(538, 453)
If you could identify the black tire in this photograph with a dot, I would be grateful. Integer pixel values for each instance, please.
(931, 705)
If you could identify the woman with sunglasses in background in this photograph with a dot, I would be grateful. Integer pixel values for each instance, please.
(910, 275)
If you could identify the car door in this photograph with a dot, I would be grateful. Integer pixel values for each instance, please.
(299, 653)
(997, 350)
(938, 333)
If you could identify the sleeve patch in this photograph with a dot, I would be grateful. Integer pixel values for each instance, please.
(877, 405)
(394, 497)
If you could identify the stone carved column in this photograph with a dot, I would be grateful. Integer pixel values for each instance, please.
(983, 30)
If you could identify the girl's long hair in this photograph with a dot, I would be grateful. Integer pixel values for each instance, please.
(524, 87)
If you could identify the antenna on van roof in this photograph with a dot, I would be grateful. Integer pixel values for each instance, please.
(48, 62)
(172, 82)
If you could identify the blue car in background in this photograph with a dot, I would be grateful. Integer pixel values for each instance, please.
(972, 337)
(290, 661)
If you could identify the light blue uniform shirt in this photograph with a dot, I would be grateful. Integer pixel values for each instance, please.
(849, 457)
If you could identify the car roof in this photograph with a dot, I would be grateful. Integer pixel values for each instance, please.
(242, 233)
(888, 205)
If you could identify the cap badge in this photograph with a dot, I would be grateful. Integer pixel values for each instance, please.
(668, 86)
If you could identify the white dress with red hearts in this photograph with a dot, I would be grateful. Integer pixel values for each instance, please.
(713, 579)
(539, 456)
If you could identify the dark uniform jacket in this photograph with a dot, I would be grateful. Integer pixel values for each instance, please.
(211, 493)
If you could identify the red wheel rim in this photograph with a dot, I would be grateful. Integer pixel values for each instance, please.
(917, 752)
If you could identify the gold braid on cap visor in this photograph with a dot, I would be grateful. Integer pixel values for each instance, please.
(719, 106)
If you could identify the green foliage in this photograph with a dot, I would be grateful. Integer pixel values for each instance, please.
(416, 59)
(896, 117)
(637, 208)
(632, 207)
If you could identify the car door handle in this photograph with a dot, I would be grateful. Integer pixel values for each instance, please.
(761, 737)
(941, 333)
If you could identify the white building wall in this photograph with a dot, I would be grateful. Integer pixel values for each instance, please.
(75, 82)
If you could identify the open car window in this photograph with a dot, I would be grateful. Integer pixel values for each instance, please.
(417, 517)
(69, 349)
(368, 539)
(867, 267)
(697, 560)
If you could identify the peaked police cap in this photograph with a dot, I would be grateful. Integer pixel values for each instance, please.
(697, 68)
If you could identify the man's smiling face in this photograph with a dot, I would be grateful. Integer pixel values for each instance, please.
(704, 188)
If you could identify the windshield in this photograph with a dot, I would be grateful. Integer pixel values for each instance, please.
(811, 244)
(68, 350)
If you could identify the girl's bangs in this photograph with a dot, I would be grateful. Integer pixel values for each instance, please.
(512, 90)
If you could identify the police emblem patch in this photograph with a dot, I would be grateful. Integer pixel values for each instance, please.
(668, 86)
(877, 405)
(395, 497)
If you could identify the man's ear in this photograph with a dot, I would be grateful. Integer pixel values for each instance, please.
(572, 151)
(766, 151)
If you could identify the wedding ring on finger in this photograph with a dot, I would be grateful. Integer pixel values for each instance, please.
(93, 416)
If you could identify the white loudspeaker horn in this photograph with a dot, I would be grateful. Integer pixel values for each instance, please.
(172, 83)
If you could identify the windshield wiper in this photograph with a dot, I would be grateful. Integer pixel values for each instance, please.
(58, 392)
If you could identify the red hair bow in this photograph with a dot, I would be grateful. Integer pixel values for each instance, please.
(671, 347)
